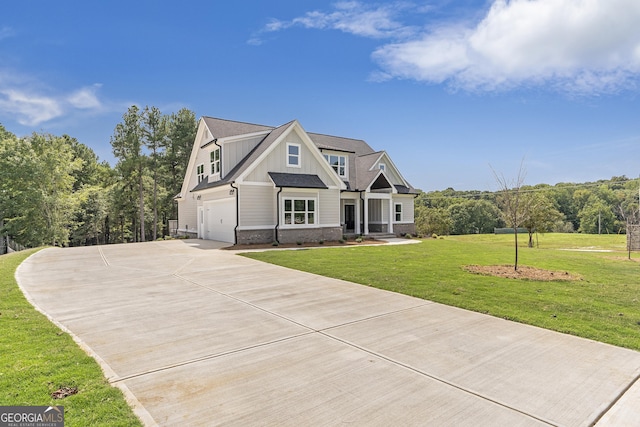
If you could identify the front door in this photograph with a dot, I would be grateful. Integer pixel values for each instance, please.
(350, 217)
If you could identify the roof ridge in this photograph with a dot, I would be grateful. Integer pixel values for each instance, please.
(237, 121)
(335, 136)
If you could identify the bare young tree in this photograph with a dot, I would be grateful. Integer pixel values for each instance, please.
(512, 203)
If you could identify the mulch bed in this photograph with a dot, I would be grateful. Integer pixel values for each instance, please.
(63, 392)
(523, 272)
(304, 245)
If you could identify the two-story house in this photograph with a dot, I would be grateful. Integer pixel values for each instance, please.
(248, 183)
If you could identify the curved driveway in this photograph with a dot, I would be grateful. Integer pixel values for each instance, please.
(199, 336)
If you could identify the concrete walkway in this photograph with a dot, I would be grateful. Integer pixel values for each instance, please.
(199, 336)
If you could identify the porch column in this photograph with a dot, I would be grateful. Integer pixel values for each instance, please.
(391, 216)
(358, 223)
(366, 215)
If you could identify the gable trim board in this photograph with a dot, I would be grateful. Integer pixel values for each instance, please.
(254, 201)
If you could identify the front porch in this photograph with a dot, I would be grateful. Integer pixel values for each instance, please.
(370, 216)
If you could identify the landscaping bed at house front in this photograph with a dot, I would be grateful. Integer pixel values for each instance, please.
(303, 245)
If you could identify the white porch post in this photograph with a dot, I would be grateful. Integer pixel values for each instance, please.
(366, 215)
(391, 215)
(358, 225)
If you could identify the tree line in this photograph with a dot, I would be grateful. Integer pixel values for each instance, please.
(54, 190)
(605, 206)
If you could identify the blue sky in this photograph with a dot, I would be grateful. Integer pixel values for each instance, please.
(450, 88)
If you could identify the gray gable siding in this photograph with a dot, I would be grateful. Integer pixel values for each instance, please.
(234, 152)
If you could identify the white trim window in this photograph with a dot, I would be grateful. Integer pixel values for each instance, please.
(200, 172)
(398, 212)
(214, 158)
(382, 166)
(338, 163)
(293, 155)
(299, 211)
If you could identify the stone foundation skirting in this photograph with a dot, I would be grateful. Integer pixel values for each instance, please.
(247, 237)
(304, 235)
(403, 229)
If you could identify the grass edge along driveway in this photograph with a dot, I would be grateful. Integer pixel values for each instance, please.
(37, 358)
(604, 305)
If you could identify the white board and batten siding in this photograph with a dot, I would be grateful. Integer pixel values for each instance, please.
(235, 151)
(276, 161)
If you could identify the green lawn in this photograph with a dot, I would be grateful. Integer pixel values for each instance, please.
(604, 305)
(37, 358)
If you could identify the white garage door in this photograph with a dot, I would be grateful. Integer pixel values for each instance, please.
(220, 220)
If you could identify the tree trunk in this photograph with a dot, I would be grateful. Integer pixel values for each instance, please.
(155, 203)
(515, 233)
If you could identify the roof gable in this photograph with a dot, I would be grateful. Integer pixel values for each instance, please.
(278, 136)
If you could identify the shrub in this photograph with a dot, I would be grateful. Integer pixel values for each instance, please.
(321, 242)
(275, 243)
(358, 239)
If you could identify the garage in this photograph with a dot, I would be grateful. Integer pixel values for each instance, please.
(220, 220)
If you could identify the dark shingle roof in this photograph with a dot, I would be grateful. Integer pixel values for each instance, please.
(361, 154)
(296, 180)
(357, 146)
(221, 128)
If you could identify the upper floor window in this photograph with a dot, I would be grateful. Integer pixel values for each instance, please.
(200, 173)
(338, 163)
(215, 161)
(293, 155)
(382, 166)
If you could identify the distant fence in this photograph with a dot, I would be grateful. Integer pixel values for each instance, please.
(7, 246)
(509, 230)
(172, 225)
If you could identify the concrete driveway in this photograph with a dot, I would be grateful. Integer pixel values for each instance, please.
(199, 336)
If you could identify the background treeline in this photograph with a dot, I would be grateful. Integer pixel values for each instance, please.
(55, 191)
(593, 207)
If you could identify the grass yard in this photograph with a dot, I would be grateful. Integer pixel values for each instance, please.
(604, 305)
(37, 359)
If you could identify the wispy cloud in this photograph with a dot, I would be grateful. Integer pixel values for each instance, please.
(6, 32)
(30, 104)
(366, 20)
(572, 45)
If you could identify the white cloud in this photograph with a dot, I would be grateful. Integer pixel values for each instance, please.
(29, 109)
(6, 32)
(353, 17)
(579, 46)
(85, 98)
(30, 104)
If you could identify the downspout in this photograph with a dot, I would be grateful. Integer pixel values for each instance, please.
(236, 190)
(362, 214)
(278, 213)
(215, 142)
